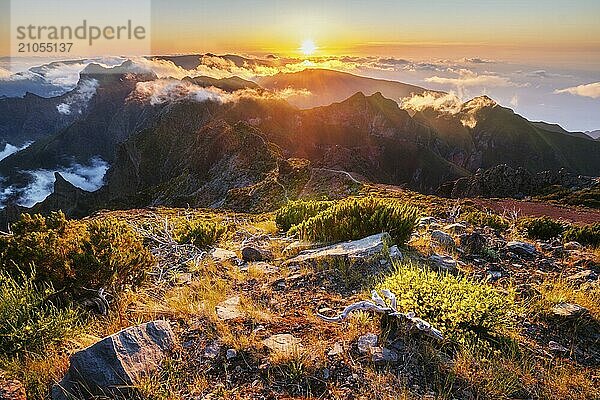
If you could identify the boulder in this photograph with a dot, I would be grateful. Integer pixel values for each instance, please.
(367, 342)
(255, 253)
(456, 228)
(383, 355)
(116, 363)
(283, 343)
(443, 238)
(229, 309)
(356, 250)
(569, 310)
(444, 262)
(424, 221)
(521, 248)
(473, 243)
(221, 255)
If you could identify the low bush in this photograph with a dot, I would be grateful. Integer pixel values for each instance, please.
(464, 310)
(353, 218)
(483, 219)
(588, 235)
(198, 232)
(295, 212)
(541, 228)
(66, 254)
(28, 321)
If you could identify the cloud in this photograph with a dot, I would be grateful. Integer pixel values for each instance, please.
(87, 177)
(448, 104)
(170, 90)
(468, 78)
(9, 149)
(514, 101)
(80, 98)
(590, 90)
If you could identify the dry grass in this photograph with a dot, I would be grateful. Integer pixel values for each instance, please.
(557, 291)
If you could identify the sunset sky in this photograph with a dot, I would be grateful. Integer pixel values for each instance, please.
(541, 58)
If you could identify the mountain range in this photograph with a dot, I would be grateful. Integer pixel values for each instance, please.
(236, 143)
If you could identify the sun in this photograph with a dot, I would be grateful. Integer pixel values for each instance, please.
(308, 47)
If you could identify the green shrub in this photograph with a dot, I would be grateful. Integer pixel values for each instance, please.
(295, 212)
(588, 235)
(29, 322)
(353, 218)
(462, 309)
(198, 232)
(541, 228)
(94, 254)
(482, 219)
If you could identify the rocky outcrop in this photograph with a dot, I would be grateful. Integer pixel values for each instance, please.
(507, 181)
(113, 365)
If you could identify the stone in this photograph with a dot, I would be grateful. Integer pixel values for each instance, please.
(353, 250)
(442, 238)
(231, 354)
(572, 246)
(456, 228)
(473, 243)
(283, 343)
(212, 350)
(255, 253)
(569, 310)
(11, 389)
(444, 262)
(366, 342)
(337, 349)
(424, 221)
(521, 248)
(117, 362)
(395, 253)
(556, 347)
(221, 255)
(382, 355)
(229, 309)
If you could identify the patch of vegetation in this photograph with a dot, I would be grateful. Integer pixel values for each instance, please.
(67, 254)
(198, 232)
(354, 218)
(588, 197)
(295, 212)
(588, 235)
(464, 310)
(541, 228)
(28, 321)
(483, 219)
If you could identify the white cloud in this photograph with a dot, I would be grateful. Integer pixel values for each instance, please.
(80, 98)
(590, 90)
(9, 149)
(468, 78)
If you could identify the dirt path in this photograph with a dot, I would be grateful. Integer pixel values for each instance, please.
(578, 215)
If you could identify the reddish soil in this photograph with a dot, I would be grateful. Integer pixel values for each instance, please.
(578, 215)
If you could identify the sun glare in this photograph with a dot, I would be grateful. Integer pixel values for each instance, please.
(308, 47)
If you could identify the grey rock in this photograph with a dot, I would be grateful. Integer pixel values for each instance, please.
(473, 243)
(212, 350)
(255, 253)
(353, 250)
(569, 310)
(117, 362)
(384, 355)
(521, 248)
(556, 347)
(444, 262)
(443, 238)
(231, 354)
(395, 253)
(366, 342)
